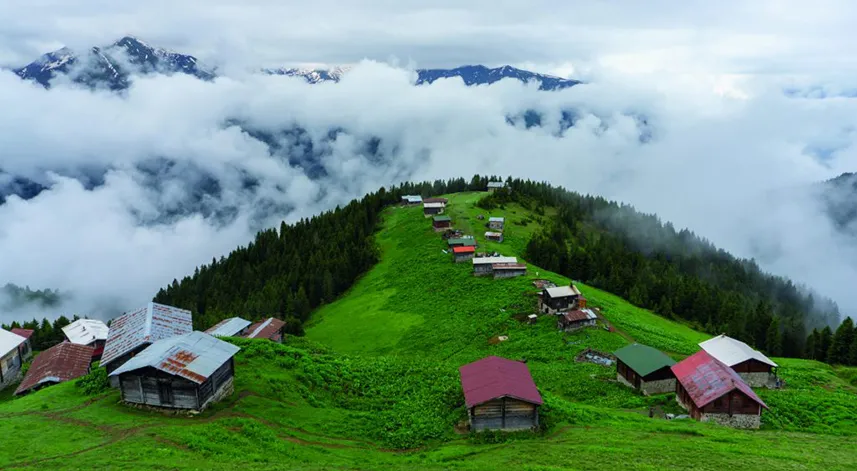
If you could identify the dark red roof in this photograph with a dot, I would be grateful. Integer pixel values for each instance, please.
(464, 249)
(435, 200)
(62, 362)
(706, 379)
(26, 333)
(495, 377)
(576, 316)
(265, 329)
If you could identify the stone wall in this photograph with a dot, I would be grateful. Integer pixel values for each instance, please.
(660, 386)
(759, 380)
(624, 380)
(223, 390)
(736, 420)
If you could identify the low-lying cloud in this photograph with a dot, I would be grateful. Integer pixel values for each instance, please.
(144, 186)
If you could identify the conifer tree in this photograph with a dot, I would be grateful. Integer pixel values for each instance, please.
(840, 346)
(774, 345)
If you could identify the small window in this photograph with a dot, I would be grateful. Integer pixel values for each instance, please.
(718, 403)
(165, 393)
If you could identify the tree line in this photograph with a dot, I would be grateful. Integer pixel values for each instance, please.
(46, 334)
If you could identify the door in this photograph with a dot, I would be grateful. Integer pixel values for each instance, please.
(165, 393)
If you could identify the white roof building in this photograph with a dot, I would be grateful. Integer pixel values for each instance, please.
(496, 219)
(228, 327)
(9, 342)
(732, 352)
(413, 198)
(85, 331)
(434, 205)
(496, 184)
(562, 291)
(493, 260)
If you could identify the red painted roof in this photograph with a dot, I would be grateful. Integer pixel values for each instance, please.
(26, 333)
(265, 329)
(464, 249)
(495, 377)
(579, 315)
(62, 362)
(707, 379)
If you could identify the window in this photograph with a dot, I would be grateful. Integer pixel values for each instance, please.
(718, 403)
(165, 393)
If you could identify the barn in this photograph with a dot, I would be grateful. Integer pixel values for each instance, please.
(496, 223)
(753, 366)
(231, 327)
(711, 391)
(10, 357)
(463, 253)
(270, 328)
(557, 299)
(441, 223)
(133, 331)
(91, 332)
(189, 371)
(508, 270)
(500, 395)
(576, 319)
(494, 236)
(645, 368)
(484, 266)
(62, 362)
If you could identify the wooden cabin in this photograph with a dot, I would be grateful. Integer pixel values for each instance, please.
(494, 236)
(26, 348)
(436, 200)
(441, 223)
(645, 368)
(508, 270)
(231, 327)
(558, 299)
(461, 242)
(89, 332)
(496, 223)
(189, 371)
(133, 331)
(753, 366)
(463, 253)
(63, 362)
(711, 391)
(576, 319)
(494, 186)
(411, 200)
(11, 358)
(484, 266)
(270, 328)
(432, 209)
(500, 395)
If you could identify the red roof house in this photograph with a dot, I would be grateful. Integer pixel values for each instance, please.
(500, 394)
(270, 328)
(26, 333)
(62, 362)
(712, 391)
(25, 349)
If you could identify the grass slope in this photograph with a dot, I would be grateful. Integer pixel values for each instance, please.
(375, 386)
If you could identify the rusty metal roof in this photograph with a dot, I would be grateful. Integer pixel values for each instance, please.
(495, 377)
(62, 362)
(143, 326)
(228, 327)
(579, 315)
(26, 333)
(85, 331)
(194, 356)
(706, 379)
(265, 329)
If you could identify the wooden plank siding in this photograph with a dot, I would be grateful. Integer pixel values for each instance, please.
(504, 414)
(752, 366)
(153, 387)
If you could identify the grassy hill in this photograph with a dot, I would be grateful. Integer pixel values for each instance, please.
(375, 386)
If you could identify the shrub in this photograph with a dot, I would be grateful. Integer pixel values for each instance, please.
(95, 382)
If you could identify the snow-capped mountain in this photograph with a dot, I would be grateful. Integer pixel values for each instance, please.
(111, 66)
(311, 75)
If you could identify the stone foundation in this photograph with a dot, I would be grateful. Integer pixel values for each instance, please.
(11, 376)
(624, 380)
(759, 380)
(735, 420)
(225, 390)
(658, 387)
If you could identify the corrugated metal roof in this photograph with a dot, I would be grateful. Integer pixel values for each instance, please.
(493, 234)
(562, 291)
(497, 219)
(496, 184)
(495, 377)
(9, 342)
(732, 352)
(26, 333)
(228, 327)
(580, 315)
(86, 331)
(706, 379)
(194, 356)
(145, 325)
(433, 205)
(464, 249)
(461, 240)
(643, 359)
(492, 260)
(509, 266)
(442, 219)
(62, 362)
(413, 198)
(265, 329)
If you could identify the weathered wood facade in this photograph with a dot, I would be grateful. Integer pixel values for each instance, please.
(656, 382)
(734, 409)
(152, 387)
(504, 413)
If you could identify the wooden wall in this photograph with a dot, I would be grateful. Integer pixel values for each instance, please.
(752, 366)
(504, 413)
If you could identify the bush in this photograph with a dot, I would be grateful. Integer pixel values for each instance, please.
(96, 382)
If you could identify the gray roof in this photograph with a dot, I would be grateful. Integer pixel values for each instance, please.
(498, 219)
(413, 198)
(228, 327)
(562, 291)
(496, 184)
(143, 326)
(86, 331)
(194, 356)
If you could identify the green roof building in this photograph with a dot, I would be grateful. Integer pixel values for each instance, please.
(645, 368)
(462, 241)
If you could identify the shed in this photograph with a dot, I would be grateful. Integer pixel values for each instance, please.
(189, 371)
(430, 209)
(463, 253)
(10, 357)
(576, 319)
(753, 366)
(133, 331)
(493, 186)
(496, 223)
(509, 270)
(270, 328)
(92, 332)
(483, 266)
(461, 242)
(231, 327)
(558, 299)
(645, 368)
(62, 362)
(26, 348)
(500, 395)
(711, 391)
(441, 223)
(412, 199)
(494, 236)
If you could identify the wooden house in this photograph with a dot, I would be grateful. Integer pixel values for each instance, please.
(444, 201)
(494, 236)
(432, 209)
(576, 319)
(10, 357)
(496, 223)
(90, 332)
(410, 200)
(463, 253)
(231, 327)
(711, 391)
(461, 242)
(753, 366)
(484, 266)
(508, 270)
(645, 368)
(189, 371)
(441, 223)
(270, 328)
(500, 395)
(558, 299)
(26, 348)
(494, 186)
(133, 331)
(62, 362)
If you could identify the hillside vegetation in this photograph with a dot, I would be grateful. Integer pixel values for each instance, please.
(374, 385)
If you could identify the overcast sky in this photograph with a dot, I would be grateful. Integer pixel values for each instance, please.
(730, 155)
